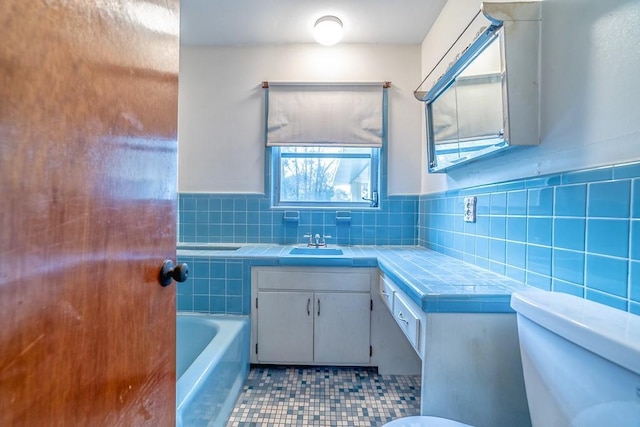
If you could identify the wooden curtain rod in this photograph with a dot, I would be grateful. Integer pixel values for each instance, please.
(385, 85)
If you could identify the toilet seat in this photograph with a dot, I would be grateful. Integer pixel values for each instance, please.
(424, 421)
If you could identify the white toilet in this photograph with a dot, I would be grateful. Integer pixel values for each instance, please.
(581, 363)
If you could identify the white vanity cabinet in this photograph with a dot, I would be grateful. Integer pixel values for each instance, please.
(311, 315)
(471, 367)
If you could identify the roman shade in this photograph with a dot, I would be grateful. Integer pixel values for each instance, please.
(325, 115)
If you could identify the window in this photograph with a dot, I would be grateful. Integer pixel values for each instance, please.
(325, 176)
(325, 142)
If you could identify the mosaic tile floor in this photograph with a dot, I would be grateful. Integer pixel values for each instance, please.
(324, 396)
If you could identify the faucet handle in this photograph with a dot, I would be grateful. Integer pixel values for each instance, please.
(326, 236)
(310, 237)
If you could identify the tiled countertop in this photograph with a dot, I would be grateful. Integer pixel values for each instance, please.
(436, 282)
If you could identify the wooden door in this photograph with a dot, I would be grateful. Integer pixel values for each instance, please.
(88, 125)
(285, 327)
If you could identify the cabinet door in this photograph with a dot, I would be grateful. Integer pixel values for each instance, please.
(285, 327)
(342, 327)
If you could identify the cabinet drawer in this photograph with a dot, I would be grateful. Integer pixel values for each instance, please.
(386, 293)
(351, 279)
(408, 320)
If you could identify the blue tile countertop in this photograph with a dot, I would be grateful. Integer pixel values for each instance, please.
(436, 282)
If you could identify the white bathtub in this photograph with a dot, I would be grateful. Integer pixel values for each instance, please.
(212, 364)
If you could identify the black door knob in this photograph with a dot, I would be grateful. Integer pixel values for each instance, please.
(170, 272)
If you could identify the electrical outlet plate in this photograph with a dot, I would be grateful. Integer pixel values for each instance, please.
(470, 209)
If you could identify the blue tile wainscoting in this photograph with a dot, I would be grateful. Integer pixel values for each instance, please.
(217, 285)
(575, 232)
(249, 218)
(224, 285)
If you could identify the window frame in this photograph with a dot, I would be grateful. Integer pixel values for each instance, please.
(374, 187)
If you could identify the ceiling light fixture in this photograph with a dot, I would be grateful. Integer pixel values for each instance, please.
(328, 30)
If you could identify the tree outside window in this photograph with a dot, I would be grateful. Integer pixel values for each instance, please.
(324, 174)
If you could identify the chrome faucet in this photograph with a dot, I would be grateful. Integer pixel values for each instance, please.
(315, 240)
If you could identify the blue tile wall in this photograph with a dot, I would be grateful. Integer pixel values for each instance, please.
(249, 218)
(224, 286)
(217, 285)
(576, 232)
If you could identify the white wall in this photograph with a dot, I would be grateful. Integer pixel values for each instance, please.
(590, 91)
(221, 108)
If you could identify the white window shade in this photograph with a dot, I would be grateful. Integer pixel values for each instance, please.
(325, 115)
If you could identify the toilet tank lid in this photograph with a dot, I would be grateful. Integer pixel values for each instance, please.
(606, 331)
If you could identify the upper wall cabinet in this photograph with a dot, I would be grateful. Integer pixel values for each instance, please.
(483, 96)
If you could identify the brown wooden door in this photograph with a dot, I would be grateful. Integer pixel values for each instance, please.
(88, 128)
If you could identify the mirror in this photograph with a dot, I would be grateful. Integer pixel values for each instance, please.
(483, 95)
(466, 116)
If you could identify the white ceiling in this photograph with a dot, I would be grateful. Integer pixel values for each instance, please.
(251, 22)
